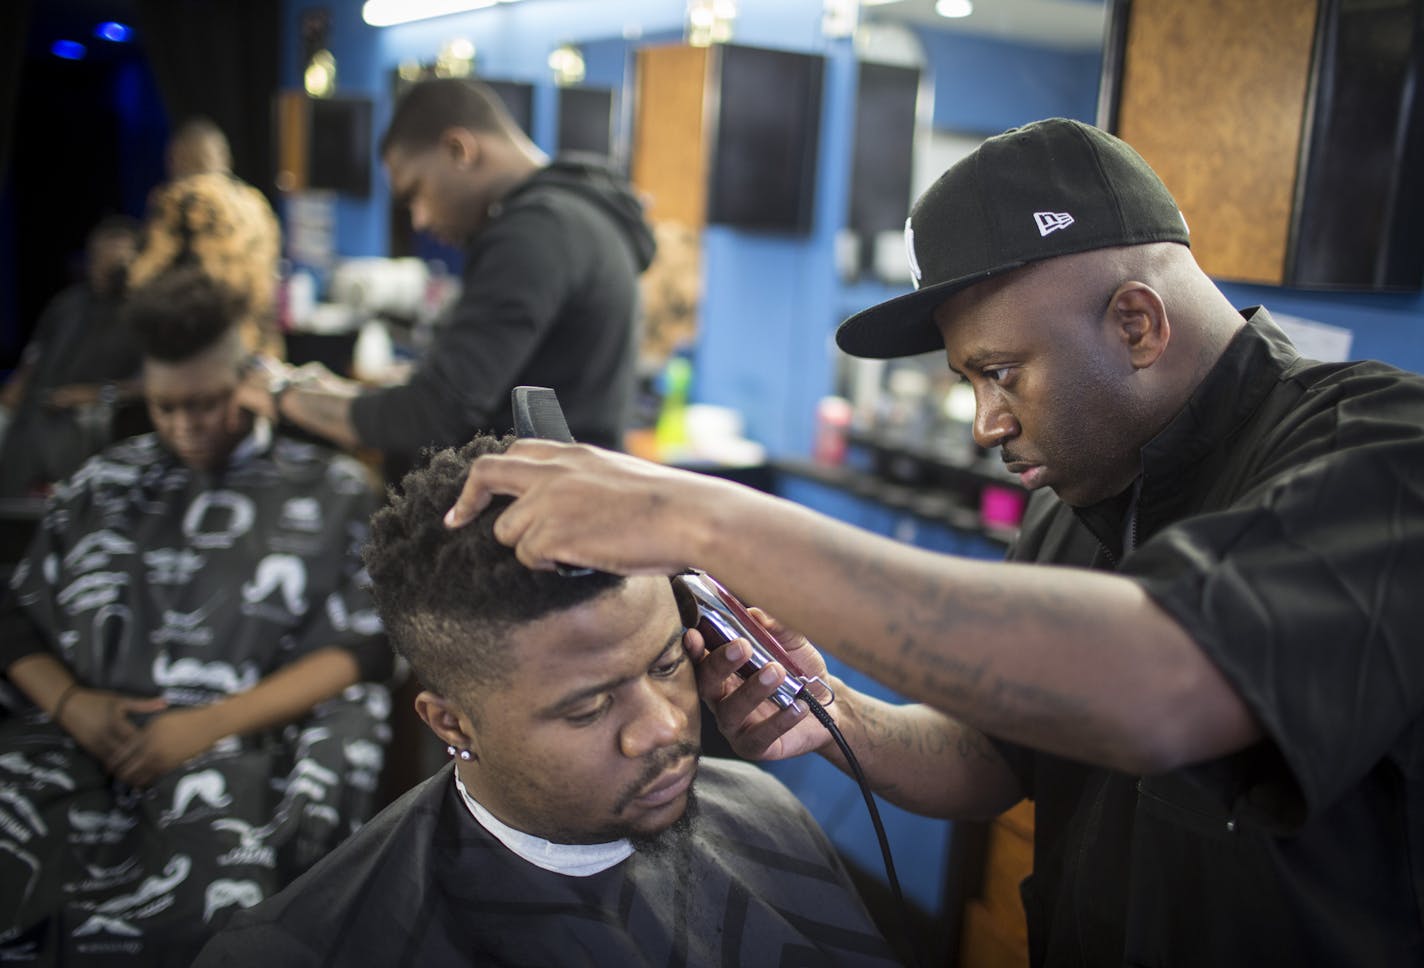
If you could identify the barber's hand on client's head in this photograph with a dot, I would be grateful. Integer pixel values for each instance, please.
(582, 506)
(756, 728)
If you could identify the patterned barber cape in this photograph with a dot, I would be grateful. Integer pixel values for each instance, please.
(150, 579)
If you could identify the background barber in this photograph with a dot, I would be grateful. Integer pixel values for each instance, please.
(549, 295)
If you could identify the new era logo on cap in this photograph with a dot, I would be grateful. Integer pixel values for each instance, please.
(1084, 188)
(1052, 221)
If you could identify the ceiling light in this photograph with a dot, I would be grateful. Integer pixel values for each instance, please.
(566, 61)
(385, 13)
(319, 78)
(954, 8)
(114, 31)
(68, 49)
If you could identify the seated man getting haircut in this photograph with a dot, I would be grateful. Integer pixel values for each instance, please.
(577, 825)
(189, 594)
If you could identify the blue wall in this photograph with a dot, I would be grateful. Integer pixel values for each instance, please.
(1387, 326)
(986, 85)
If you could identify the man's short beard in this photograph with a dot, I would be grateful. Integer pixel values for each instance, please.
(665, 840)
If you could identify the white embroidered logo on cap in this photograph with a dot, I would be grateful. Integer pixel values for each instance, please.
(1052, 221)
(910, 253)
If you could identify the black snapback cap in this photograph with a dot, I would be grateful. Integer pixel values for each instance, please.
(1047, 189)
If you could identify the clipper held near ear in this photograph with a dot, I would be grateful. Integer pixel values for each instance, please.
(705, 605)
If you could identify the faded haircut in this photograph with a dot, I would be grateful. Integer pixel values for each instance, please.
(450, 597)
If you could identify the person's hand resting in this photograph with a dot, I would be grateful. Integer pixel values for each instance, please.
(100, 721)
(164, 743)
(756, 728)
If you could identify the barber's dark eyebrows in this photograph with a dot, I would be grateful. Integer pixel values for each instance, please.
(559, 706)
(972, 362)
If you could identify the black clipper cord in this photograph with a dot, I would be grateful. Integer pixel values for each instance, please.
(824, 718)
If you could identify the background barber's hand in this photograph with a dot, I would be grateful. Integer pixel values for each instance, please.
(317, 376)
(756, 727)
(584, 506)
(164, 743)
(99, 720)
(254, 391)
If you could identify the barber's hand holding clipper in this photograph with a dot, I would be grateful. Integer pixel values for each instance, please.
(757, 728)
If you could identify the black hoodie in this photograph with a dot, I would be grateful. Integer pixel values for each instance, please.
(549, 298)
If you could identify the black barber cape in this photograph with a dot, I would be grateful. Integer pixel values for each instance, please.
(755, 882)
(1280, 521)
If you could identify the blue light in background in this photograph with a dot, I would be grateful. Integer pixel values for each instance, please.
(114, 31)
(68, 49)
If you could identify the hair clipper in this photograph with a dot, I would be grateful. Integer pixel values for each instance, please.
(705, 605)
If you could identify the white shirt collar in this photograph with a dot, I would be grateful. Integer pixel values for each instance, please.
(574, 860)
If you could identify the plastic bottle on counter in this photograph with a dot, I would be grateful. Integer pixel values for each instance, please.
(833, 415)
(671, 430)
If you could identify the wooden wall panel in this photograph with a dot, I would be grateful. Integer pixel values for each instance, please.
(293, 122)
(994, 933)
(1214, 97)
(670, 148)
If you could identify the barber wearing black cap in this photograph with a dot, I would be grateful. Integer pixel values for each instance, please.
(1217, 709)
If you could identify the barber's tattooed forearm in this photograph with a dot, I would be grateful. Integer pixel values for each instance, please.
(974, 745)
(928, 736)
(883, 730)
(939, 630)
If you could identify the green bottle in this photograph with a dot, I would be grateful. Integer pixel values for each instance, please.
(671, 430)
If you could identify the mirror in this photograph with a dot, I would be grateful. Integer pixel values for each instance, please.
(1004, 63)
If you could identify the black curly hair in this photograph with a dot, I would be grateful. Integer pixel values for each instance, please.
(180, 313)
(450, 597)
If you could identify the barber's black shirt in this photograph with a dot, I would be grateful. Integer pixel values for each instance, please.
(1280, 521)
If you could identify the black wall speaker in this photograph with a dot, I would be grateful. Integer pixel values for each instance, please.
(765, 144)
(586, 120)
(1359, 215)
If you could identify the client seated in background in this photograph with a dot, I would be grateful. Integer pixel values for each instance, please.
(577, 824)
(188, 634)
(80, 362)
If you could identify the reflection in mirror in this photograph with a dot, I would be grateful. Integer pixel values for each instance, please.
(1003, 63)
